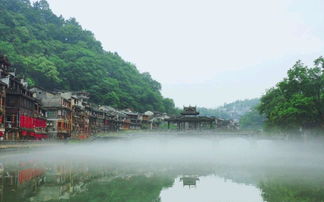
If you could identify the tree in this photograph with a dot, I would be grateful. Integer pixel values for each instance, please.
(252, 120)
(298, 100)
(42, 5)
(59, 54)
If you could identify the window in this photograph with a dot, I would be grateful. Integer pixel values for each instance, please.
(51, 114)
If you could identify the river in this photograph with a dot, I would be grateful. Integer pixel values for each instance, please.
(167, 167)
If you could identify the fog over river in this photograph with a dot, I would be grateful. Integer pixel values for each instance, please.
(165, 166)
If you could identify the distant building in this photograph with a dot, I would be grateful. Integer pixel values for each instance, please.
(113, 118)
(133, 120)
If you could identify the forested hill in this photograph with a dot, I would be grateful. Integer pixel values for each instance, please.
(244, 111)
(56, 53)
(234, 110)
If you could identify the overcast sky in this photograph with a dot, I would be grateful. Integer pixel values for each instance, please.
(206, 52)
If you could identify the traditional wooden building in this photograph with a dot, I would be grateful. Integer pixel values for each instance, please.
(227, 124)
(80, 117)
(189, 120)
(25, 119)
(21, 116)
(3, 88)
(146, 121)
(80, 123)
(112, 118)
(96, 118)
(58, 112)
(189, 111)
(133, 120)
(37, 113)
(4, 72)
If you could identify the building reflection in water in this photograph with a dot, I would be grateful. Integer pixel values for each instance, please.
(1, 181)
(41, 182)
(31, 180)
(190, 181)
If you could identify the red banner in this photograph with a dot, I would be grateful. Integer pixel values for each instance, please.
(30, 122)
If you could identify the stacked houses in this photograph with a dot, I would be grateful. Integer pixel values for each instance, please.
(58, 112)
(22, 115)
(36, 113)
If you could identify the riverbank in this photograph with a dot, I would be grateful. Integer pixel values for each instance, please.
(8, 146)
(25, 145)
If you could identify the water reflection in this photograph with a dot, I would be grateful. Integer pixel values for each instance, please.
(167, 170)
(68, 181)
(210, 189)
(36, 181)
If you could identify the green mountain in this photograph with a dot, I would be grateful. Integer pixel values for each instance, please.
(243, 111)
(56, 53)
(233, 110)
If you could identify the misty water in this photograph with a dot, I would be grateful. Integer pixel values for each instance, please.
(167, 167)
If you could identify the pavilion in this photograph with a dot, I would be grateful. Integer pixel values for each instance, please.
(190, 120)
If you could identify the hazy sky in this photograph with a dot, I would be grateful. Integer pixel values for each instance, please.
(206, 52)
